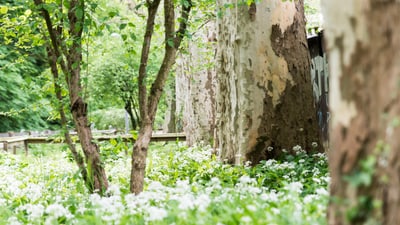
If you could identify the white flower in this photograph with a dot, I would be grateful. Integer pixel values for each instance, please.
(202, 202)
(314, 144)
(297, 148)
(114, 190)
(275, 211)
(56, 211)
(13, 221)
(186, 202)
(294, 187)
(156, 213)
(246, 219)
(251, 208)
(322, 191)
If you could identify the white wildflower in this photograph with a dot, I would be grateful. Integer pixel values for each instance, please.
(297, 148)
(294, 187)
(275, 211)
(314, 144)
(252, 208)
(246, 219)
(13, 221)
(156, 213)
(322, 191)
(57, 210)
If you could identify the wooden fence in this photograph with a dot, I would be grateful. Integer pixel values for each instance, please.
(14, 142)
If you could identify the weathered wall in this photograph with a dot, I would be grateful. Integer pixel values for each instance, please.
(265, 98)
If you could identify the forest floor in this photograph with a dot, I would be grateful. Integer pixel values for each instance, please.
(183, 186)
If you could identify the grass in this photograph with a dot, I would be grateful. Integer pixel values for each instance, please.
(183, 186)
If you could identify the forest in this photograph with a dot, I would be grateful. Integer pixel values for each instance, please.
(200, 112)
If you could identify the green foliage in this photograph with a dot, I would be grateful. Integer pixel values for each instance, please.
(103, 119)
(37, 190)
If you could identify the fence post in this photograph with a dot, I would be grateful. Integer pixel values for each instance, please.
(14, 149)
(26, 146)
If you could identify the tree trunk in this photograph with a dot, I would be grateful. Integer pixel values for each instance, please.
(196, 80)
(148, 102)
(139, 157)
(64, 121)
(170, 120)
(69, 58)
(363, 42)
(265, 99)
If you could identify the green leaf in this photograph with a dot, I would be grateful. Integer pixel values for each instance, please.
(133, 36)
(79, 13)
(170, 42)
(124, 37)
(122, 26)
(112, 14)
(3, 9)
(75, 65)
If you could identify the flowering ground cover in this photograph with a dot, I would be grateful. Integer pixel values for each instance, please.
(183, 186)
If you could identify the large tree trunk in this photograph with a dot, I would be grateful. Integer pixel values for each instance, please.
(265, 99)
(171, 115)
(196, 81)
(363, 41)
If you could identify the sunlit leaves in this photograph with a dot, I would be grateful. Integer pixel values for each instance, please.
(3, 9)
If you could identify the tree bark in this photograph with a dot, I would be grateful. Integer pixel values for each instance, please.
(265, 101)
(363, 42)
(148, 102)
(64, 121)
(71, 65)
(196, 81)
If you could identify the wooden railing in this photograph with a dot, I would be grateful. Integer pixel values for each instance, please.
(16, 141)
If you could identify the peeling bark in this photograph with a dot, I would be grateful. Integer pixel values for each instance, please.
(363, 42)
(196, 81)
(265, 98)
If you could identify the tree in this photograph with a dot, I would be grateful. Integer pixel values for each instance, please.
(64, 33)
(264, 100)
(364, 159)
(23, 105)
(196, 81)
(148, 101)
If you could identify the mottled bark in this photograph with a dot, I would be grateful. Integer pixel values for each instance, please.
(363, 42)
(196, 81)
(171, 117)
(265, 100)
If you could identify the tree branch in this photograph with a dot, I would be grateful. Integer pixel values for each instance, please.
(152, 11)
(172, 44)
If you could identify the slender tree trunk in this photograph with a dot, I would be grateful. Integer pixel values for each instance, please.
(148, 103)
(265, 99)
(363, 42)
(57, 87)
(139, 157)
(96, 177)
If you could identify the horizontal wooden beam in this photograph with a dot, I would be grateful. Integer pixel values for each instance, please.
(25, 140)
(125, 137)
